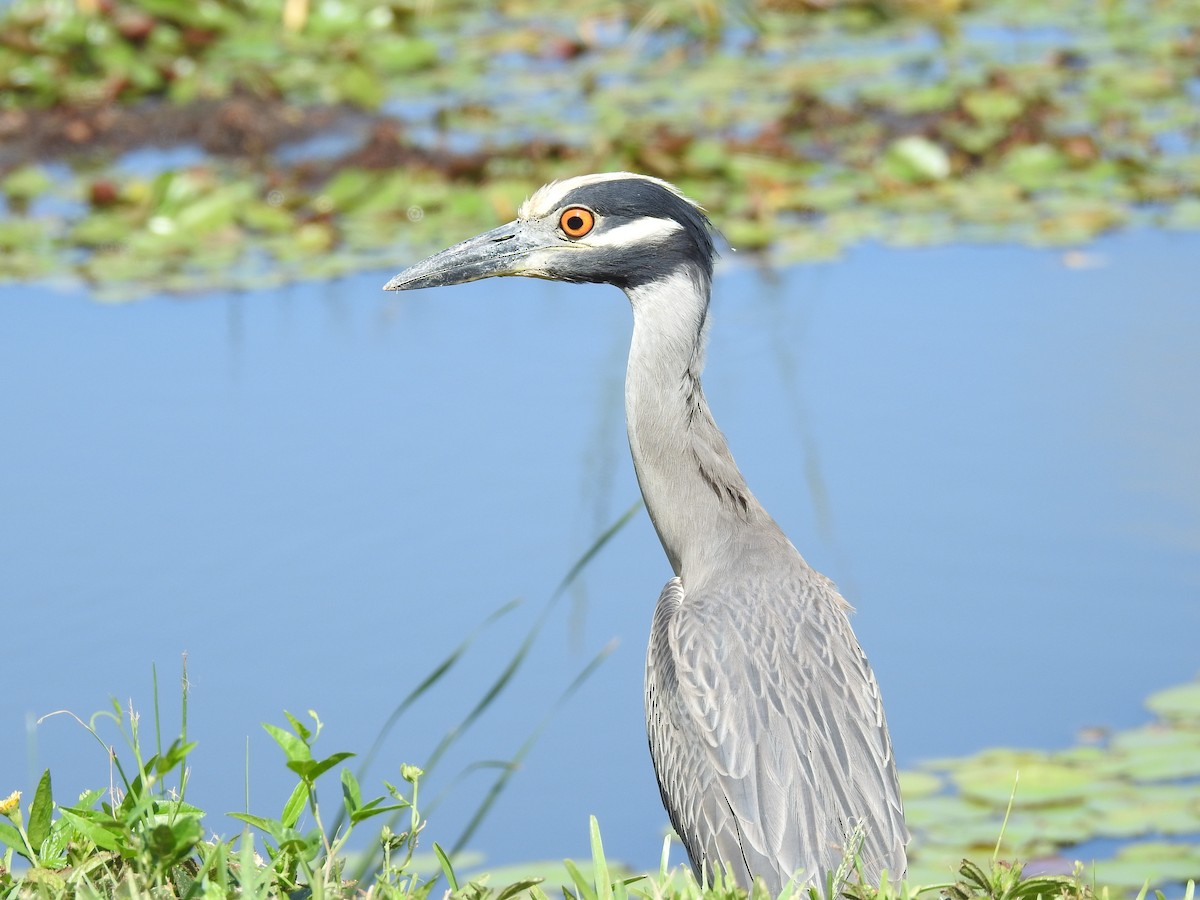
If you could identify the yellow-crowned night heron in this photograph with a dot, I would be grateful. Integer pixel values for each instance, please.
(765, 722)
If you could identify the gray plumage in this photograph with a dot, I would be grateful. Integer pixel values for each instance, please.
(765, 723)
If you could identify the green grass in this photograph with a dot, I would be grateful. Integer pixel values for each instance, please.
(144, 838)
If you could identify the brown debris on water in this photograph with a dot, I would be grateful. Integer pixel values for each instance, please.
(241, 125)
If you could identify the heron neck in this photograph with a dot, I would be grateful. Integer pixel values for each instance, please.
(695, 494)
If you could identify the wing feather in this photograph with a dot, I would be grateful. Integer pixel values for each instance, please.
(767, 731)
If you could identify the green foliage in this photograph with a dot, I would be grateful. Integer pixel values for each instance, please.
(803, 127)
(145, 828)
(145, 840)
(1004, 882)
(147, 845)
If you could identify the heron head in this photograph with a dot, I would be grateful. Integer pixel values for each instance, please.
(618, 228)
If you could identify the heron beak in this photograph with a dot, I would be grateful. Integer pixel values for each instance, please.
(501, 251)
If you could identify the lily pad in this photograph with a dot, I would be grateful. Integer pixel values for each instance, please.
(25, 183)
(804, 129)
(1157, 753)
(915, 785)
(1180, 703)
(1128, 811)
(1157, 863)
(1030, 782)
(993, 106)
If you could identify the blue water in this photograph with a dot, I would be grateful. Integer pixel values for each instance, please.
(316, 492)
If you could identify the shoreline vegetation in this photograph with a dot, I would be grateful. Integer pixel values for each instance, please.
(166, 146)
(1001, 824)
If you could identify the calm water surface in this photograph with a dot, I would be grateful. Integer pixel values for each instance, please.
(316, 492)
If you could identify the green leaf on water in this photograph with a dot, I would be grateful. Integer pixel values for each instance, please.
(398, 55)
(1157, 862)
(1127, 811)
(993, 106)
(264, 217)
(1156, 753)
(1034, 166)
(360, 86)
(25, 183)
(1041, 781)
(915, 159)
(919, 784)
(1180, 703)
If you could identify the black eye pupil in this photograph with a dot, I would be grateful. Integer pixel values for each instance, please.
(575, 223)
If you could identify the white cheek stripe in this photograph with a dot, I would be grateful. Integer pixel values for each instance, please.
(645, 230)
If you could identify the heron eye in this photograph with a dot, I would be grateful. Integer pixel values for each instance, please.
(576, 221)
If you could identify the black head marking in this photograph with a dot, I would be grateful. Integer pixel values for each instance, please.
(621, 200)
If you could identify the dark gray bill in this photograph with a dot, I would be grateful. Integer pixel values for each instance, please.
(496, 252)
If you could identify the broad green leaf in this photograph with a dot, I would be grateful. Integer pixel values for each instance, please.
(176, 755)
(319, 768)
(106, 838)
(38, 827)
(1040, 782)
(10, 836)
(295, 748)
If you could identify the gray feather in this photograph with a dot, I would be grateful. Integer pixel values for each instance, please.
(766, 730)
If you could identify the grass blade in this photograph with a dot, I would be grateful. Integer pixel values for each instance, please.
(513, 764)
(523, 650)
(588, 555)
(447, 868)
(599, 863)
(585, 890)
(429, 681)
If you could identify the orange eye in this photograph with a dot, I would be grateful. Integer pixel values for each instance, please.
(577, 221)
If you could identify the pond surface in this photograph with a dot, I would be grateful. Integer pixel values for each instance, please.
(316, 492)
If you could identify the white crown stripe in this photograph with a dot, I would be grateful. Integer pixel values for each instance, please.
(547, 199)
